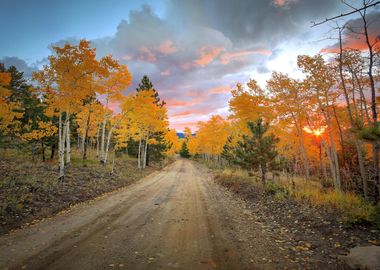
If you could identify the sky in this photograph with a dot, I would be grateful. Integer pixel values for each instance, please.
(193, 51)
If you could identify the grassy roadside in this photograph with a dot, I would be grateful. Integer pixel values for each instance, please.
(311, 225)
(350, 208)
(29, 190)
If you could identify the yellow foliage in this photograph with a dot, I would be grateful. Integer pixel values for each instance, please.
(210, 138)
(8, 113)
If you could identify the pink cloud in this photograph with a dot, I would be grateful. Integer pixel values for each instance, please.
(180, 114)
(220, 89)
(147, 55)
(181, 125)
(283, 3)
(207, 55)
(226, 57)
(173, 102)
(167, 47)
(127, 57)
(186, 66)
(165, 72)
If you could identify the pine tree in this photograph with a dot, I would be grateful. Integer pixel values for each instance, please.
(257, 151)
(228, 152)
(184, 151)
(146, 84)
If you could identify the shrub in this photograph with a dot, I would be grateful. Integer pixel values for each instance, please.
(375, 217)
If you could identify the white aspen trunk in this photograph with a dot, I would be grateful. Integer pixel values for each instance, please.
(139, 156)
(304, 158)
(97, 142)
(83, 141)
(145, 150)
(102, 140)
(332, 165)
(68, 145)
(61, 148)
(105, 157)
(113, 162)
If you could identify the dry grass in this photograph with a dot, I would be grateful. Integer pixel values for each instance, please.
(351, 207)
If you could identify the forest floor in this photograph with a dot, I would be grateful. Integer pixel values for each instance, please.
(29, 190)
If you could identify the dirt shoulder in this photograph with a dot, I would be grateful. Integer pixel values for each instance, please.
(30, 190)
(311, 237)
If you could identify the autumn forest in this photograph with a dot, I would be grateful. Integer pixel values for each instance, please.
(299, 151)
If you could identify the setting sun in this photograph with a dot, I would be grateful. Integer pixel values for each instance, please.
(317, 131)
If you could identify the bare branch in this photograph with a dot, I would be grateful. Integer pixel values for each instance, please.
(356, 10)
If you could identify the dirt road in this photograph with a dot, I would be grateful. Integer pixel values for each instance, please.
(173, 219)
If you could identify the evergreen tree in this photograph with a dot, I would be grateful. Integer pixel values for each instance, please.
(184, 151)
(228, 152)
(257, 151)
(146, 84)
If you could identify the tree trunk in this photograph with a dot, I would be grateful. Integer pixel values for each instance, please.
(61, 148)
(68, 144)
(363, 172)
(52, 153)
(373, 100)
(263, 174)
(145, 150)
(105, 158)
(33, 150)
(97, 143)
(43, 151)
(113, 162)
(139, 156)
(102, 141)
(86, 136)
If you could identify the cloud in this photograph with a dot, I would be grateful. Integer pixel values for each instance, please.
(247, 23)
(353, 35)
(207, 55)
(240, 55)
(20, 64)
(284, 3)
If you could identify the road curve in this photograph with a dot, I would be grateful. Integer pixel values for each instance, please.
(173, 219)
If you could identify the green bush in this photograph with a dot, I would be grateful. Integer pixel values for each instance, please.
(375, 217)
(272, 188)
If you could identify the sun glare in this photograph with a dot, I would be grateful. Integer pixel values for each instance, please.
(317, 131)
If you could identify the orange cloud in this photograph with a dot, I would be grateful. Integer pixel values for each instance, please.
(207, 55)
(226, 57)
(356, 43)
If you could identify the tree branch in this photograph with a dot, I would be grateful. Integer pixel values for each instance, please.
(346, 14)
